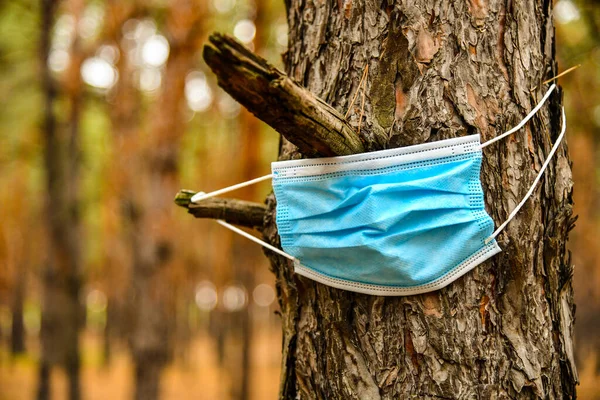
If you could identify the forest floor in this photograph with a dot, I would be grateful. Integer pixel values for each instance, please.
(589, 378)
(197, 377)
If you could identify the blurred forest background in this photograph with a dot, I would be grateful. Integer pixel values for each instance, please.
(107, 110)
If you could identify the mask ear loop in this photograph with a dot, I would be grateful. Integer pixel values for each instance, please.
(246, 234)
(257, 240)
(524, 121)
(203, 196)
(535, 182)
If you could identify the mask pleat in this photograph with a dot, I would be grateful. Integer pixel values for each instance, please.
(395, 226)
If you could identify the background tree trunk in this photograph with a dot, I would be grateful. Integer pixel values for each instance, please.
(17, 333)
(439, 70)
(153, 300)
(146, 175)
(16, 259)
(246, 254)
(62, 314)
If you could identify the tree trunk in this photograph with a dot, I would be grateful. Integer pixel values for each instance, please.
(245, 252)
(147, 379)
(49, 124)
(107, 334)
(17, 333)
(43, 389)
(153, 295)
(146, 176)
(62, 314)
(436, 71)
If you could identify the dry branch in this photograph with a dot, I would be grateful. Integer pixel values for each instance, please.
(304, 119)
(238, 212)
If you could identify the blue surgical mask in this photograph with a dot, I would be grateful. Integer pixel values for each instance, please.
(393, 222)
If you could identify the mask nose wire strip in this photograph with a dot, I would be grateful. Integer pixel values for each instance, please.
(257, 240)
(535, 182)
(524, 121)
(203, 196)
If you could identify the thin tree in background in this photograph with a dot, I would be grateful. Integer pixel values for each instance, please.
(125, 117)
(16, 254)
(245, 253)
(147, 174)
(62, 313)
(17, 332)
(436, 71)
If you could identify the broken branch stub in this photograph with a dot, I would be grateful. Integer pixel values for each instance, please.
(315, 127)
(238, 212)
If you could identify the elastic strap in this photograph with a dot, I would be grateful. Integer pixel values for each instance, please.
(524, 121)
(535, 182)
(203, 196)
(256, 240)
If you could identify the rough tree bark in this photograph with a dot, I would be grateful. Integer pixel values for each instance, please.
(436, 70)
